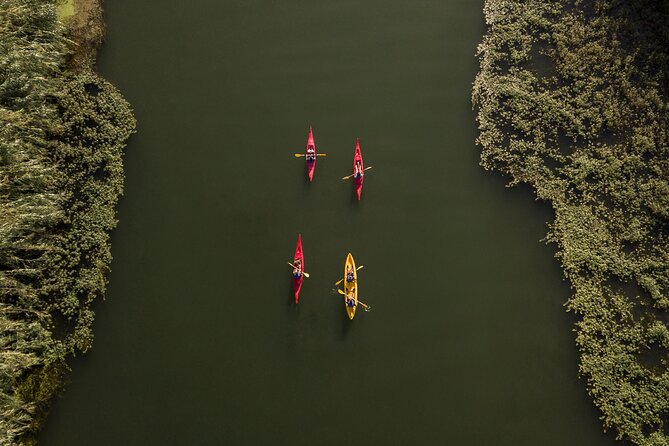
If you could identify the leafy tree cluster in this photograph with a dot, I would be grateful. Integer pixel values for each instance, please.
(572, 98)
(62, 133)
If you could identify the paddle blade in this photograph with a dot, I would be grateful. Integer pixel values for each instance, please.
(297, 155)
(360, 267)
(367, 168)
(341, 292)
(321, 154)
(305, 274)
(365, 306)
(339, 281)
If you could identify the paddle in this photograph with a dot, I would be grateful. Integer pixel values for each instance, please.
(297, 155)
(357, 269)
(305, 274)
(365, 306)
(347, 177)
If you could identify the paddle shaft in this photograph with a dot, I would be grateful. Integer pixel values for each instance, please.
(305, 274)
(297, 155)
(364, 305)
(349, 176)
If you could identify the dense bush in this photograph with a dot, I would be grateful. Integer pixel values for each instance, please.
(61, 141)
(572, 98)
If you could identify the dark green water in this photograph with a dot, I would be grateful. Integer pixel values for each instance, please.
(198, 341)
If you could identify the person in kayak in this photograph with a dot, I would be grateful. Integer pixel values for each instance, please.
(311, 153)
(349, 274)
(297, 271)
(358, 170)
(350, 300)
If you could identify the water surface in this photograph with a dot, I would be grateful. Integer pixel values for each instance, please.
(198, 342)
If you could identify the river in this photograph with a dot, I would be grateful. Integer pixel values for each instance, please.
(198, 341)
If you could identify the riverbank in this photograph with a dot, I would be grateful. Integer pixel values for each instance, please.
(85, 26)
(62, 173)
(572, 98)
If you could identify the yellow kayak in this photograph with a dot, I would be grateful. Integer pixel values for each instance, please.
(350, 288)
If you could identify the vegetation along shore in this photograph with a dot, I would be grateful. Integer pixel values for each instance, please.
(572, 98)
(62, 137)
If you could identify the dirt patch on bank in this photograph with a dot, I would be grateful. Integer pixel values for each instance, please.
(86, 30)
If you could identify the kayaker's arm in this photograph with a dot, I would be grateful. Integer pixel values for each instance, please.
(305, 274)
(365, 306)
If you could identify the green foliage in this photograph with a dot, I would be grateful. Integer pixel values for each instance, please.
(30, 205)
(61, 173)
(572, 98)
(88, 149)
(40, 385)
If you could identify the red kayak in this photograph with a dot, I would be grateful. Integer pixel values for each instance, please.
(310, 154)
(358, 167)
(299, 257)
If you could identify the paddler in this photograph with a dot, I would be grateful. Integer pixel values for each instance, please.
(350, 300)
(349, 274)
(311, 153)
(358, 170)
(297, 270)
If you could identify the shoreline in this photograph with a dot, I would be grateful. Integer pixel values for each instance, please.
(63, 174)
(85, 26)
(572, 99)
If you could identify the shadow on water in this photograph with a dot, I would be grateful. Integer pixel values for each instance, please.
(345, 321)
(291, 295)
(354, 195)
(307, 183)
(346, 324)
